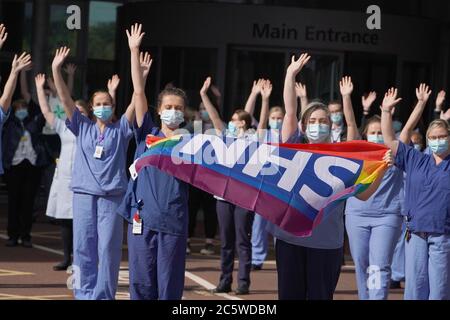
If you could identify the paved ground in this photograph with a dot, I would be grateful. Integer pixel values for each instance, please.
(27, 273)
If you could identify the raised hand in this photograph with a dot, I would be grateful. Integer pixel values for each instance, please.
(297, 65)
(60, 56)
(135, 36)
(300, 90)
(3, 35)
(257, 86)
(113, 83)
(423, 93)
(346, 86)
(445, 115)
(40, 80)
(390, 100)
(21, 63)
(266, 89)
(440, 100)
(70, 69)
(146, 61)
(368, 100)
(206, 86)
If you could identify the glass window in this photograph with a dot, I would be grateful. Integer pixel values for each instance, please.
(102, 30)
(59, 34)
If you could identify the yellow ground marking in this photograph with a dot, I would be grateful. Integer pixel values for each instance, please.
(9, 273)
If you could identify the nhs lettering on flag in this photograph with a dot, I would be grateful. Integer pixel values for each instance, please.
(302, 179)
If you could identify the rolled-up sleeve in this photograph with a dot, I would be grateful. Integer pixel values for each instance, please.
(407, 157)
(141, 133)
(75, 123)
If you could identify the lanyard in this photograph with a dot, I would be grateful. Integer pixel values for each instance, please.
(100, 139)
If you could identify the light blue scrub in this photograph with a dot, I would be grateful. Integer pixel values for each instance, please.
(99, 186)
(427, 206)
(373, 228)
(398, 261)
(259, 232)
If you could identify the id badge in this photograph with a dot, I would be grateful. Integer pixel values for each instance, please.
(137, 224)
(98, 152)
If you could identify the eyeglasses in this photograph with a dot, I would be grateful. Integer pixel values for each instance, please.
(437, 137)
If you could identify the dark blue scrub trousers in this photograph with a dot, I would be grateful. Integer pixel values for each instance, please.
(156, 262)
(235, 225)
(307, 273)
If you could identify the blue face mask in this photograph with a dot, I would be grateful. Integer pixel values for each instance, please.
(172, 118)
(103, 113)
(438, 146)
(232, 129)
(275, 124)
(337, 117)
(397, 126)
(21, 114)
(317, 133)
(375, 138)
(204, 115)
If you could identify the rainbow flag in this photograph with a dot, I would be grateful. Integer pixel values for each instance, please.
(288, 184)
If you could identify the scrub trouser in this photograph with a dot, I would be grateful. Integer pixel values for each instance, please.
(97, 246)
(307, 273)
(235, 225)
(259, 240)
(427, 267)
(201, 199)
(372, 243)
(157, 264)
(398, 261)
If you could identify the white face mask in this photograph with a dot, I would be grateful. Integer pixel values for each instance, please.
(172, 118)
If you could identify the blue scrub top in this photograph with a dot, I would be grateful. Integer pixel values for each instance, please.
(105, 176)
(164, 197)
(388, 199)
(3, 117)
(329, 234)
(427, 190)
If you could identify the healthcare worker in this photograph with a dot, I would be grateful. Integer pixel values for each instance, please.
(267, 134)
(156, 203)
(374, 226)
(98, 184)
(427, 249)
(235, 223)
(309, 267)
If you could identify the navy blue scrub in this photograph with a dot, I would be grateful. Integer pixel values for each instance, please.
(157, 257)
(427, 207)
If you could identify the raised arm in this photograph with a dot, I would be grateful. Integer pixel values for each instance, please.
(216, 92)
(3, 35)
(112, 86)
(212, 111)
(367, 101)
(423, 94)
(290, 123)
(389, 102)
(251, 101)
(18, 64)
(42, 99)
(24, 90)
(70, 70)
(140, 100)
(266, 91)
(61, 87)
(439, 104)
(300, 91)
(346, 87)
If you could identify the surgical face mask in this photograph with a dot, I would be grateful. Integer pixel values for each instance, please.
(21, 114)
(337, 117)
(204, 115)
(172, 118)
(103, 113)
(418, 147)
(375, 138)
(317, 132)
(438, 146)
(397, 126)
(275, 124)
(232, 129)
